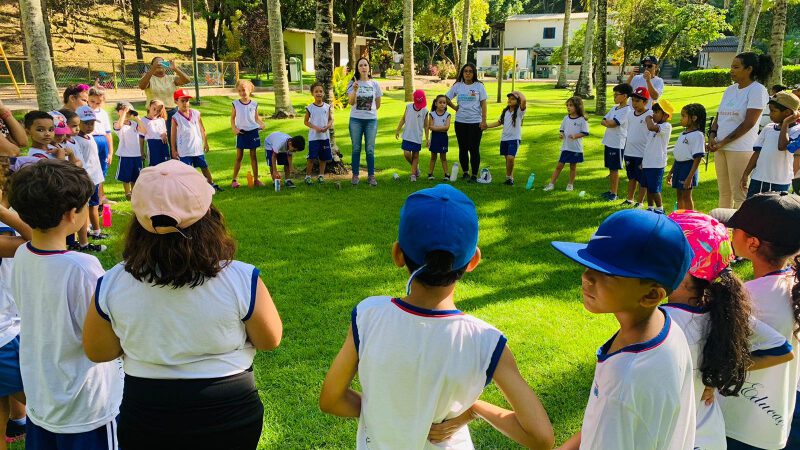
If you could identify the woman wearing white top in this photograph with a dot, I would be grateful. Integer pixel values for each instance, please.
(470, 118)
(156, 84)
(735, 127)
(364, 95)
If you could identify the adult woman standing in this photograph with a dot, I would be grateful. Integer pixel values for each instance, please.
(364, 95)
(76, 96)
(470, 118)
(735, 127)
(156, 84)
(187, 332)
(12, 135)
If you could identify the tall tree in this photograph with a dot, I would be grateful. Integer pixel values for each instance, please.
(584, 86)
(562, 73)
(752, 21)
(352, 7)
(47, 31)
(283, 104)
(136, 11)
(602, 43)
(39, 52)
(323, 53)
(179, 18)
(746, 6)
(408, 48)
(465, 32)
(456, 50)
(779, 9)
(689, 27)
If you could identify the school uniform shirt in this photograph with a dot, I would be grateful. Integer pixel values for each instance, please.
(206, 335)
(318, 116)
(103, 124)
(9, 315)
(188, 138)
(365, 107)
(414, 126)
(41, 153)
(85, 149)
(695, 323)
(570, 126)
(153, 128)
(732, 111)
(418, 367)
(615, 137)
(690, 145)
(128, 145)
(773, 165)
(246, 114)
(637, 138)
(66, 393)
(642, 396)
(277, 142)
(468, 98)
(657, 82)
(512, 131)
(655, 154)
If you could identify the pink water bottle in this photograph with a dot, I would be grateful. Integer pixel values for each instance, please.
(106, 216)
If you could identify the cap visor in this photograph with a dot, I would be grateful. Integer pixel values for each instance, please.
(723, 215)
(577, 252)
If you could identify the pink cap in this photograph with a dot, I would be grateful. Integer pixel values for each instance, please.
(60, 122)
(171, 189)
(709, 241)
(420, 101)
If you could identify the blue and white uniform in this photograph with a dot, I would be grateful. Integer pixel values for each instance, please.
(512, 133)
(85, 149)
(414, 128)
(614, 138)
(774, 169)
(157, 149)
(319, 144)
(277, 142)
(189, 140)
(655, 158)
(245, 121)
(690, 145)
(129, 151)
(10, 378)
(635, 143)
(102, 128)
(572, 149)
(438, 139)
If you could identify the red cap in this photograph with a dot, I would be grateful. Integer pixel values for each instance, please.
(419, 99)
(181, 93)
(641, 93)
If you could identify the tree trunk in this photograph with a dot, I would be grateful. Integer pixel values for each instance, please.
(625, 56)
(46, 20)
(283, 104)
(456, 51)
(324, 64)
(584, 86)
(136, 11)
(179, 18)
(779, 10)
(408, 49)
(351, 12)
(726, 4)
(39, 53)
(743, 28)
(220, 35)
(751, 25)
(212, 10)
(602, 51)
(465, 32)
(562, 74)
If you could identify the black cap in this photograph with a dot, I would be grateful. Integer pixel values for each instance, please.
(650, 59)
(770, 216)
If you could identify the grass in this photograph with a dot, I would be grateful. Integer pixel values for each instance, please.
(322, 250)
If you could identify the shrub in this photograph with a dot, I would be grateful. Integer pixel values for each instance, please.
(791, 75)
(390, 72)
(707, 77)
(340, 82)
(446, 70)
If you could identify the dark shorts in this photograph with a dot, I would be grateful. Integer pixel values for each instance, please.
(158, 150)
(282, 159)
(680, 170)
(568, 157)
(653, 180)
(10, 378)
(247, 140)
(129, 168)
(633, 168)
(794, 432)
(102, 438)
(438, 143)
(195, 161)
(509, 148)
(94, 200)
(102, 152)
(757, 187)
(409, 146)
(320, 149)
(613, 158)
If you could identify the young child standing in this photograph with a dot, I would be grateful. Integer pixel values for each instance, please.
(438, 125)
(573, 129)
(655, 153)
(131, 146)
(86, 149)
(635, 144)
(511, 120)
(422, 393)
(319, 120)
(415, 120)
(246, 123)
(642, 395)
(616, 123)
(279, 147)
(154, 127)
(189, 140)
(688, 152)
(40, 127)
(102, 133)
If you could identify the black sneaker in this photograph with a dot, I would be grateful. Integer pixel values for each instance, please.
(465, 176)
(626, 203)
(98, 236)
(509, 182)
(446, 179)
(14, 431)
(612, 198)
(606, 194)
(473, 179)
(93, 248)
(290, 184)
(430, 176)
(217, 188)
(74, 247)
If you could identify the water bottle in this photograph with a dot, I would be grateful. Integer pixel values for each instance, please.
(395, 176)
(675, 207)
(250, 180)
(530, 181)
(582, 194)
(106, 216)
(454, 172)
(277, 184)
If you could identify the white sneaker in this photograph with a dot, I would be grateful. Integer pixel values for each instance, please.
(413, 178)
(549, 187)
(570, 188)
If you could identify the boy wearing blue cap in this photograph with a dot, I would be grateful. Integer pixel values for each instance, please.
(406, 404)
(642, 395)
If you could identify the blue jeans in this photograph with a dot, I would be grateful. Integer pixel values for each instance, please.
(369, 129)
(757, 187)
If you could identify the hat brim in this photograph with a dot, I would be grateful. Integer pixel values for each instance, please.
(723, 215)
(639, 97)
(578, 253)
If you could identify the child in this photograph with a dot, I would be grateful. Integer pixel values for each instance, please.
(688, 152)
(415, 121)
(40, 127)
(635, 144)
(511, 120)
(131, 146)
(766, 233)
(319, 120)
(573, 129)
(421, 362)
(61, 132)
(72, 402)
(712, 308)
(655, 154)
(86, 149)
(438, 125)
(279, 147)
(102, 133)
(154, 127)
(246, 123)
(616, 123)
(642, 395)
(772, 162)
(189, 140)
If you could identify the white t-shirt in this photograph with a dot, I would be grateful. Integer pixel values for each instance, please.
(615, 137)
(277, 142)
(85, 149)
(732, 111)
(689, 146)
(418, 367)
(9, 316)
(638, 133)
(695, 324)
(66, 393)
(512, 131)
(439, 121)
(41, 153)
(185, 333)
(365, 107)
(570, 126)
(414, 127)
(774, 166)
(639, 81)
(469, 98)
(129, 136)
(642, 396)
(762, 413)
(153, 128)
(655, 154)
(188, 138)
(318, 116)
(246, 115)
(103, 124)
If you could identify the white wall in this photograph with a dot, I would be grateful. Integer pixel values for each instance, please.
(715, 60)
(529, 33)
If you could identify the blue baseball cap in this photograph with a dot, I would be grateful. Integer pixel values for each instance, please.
(635, 244)
(439, 218)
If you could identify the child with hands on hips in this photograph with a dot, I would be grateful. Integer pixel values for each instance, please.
(189, 140)
(511, 119)
(688, 152)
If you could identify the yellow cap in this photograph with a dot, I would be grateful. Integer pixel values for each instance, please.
(667, 107)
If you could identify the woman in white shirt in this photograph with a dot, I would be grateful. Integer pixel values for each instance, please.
(470, 122)
(156, 84)
(364, 95)
(735, 127)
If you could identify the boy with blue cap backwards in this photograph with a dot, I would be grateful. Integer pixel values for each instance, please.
(423, 363)
(642, 395)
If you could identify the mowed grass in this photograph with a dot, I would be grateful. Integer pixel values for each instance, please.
(322, 250)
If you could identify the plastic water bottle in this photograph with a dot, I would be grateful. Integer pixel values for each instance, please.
(250, 180)
(529, 185)
(675, 207)
(581, 193)
(277, 185)
(106, 216)
(454, 172)
(395, 176)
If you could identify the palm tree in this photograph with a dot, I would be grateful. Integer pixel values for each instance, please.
(280, 82)
(743, 28)
(408, 48)
(752, 21)
(602, 51)
(323, 55)
(36, 42)
(779, 10)
(562, 73)
(465, 32)
(584, 87)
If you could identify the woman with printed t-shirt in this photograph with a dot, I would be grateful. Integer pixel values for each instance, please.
(470, 118)
(735, 128)
(364, 95)
(157, 85)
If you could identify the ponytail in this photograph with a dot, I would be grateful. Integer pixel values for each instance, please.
(513, 116)
(762, 65)
(438, 271)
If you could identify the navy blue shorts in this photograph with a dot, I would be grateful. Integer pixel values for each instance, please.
(282, 159)
(94, 200)
(247, 140)
(568, 157)
(129, 168)
(10, 378)
(195, 161)
(757, 187)
(409, 146)
(320, 149)
(158, 150)
(509, 148)
(103, 438)
(102, 151)
(680, 170)
(613, 158)
(633, 168)
(653, 180)
(438, 143)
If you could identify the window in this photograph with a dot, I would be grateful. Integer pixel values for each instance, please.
(549, 33)
(495, 58)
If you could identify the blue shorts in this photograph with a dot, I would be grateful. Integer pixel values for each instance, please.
(94, 200)
(438, 143)
(653, 180)
(158, 150)
(10, 378)
(282, 159)
(568, 157)
(320, 149)
(195, 161)
(102, 438)
(129, 168)
(680, 170)
(757, 187)
(794, 432)
(509, 148)
(247, 140)
(613, 158)
(633, 168)
(102, 151)
(409, 146)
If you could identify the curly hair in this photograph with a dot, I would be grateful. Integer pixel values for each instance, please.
(699, 111)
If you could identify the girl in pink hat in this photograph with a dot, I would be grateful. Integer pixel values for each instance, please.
(413, 124)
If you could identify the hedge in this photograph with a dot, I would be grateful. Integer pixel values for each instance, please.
(721, 77)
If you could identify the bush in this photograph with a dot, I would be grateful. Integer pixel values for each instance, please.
(446, 70)
(707, 77)
(393, 72)
(791, 75)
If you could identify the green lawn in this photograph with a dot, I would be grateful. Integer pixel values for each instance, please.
(322, 250)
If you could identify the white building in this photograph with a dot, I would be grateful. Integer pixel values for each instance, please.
(718, 54)
(300, 44)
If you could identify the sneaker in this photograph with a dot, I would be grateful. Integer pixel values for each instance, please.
(307, 179)
(258, 183)
(354, 181)
(74, 247)
(473, 179)
(98, 236)
(570, 188)
(92, 248)
(659, 210)
(128, 196)
(606, 194)
(651, 209)
(626, 203)
(413, 178)
(430, 176)
(372, 181)
(465, 176)
(320, 179)
(416, 174)
(290, 184)
(637, 205)
(549, 187)
(612, 198)
(235, 184)
(217, 188)
(446, 179)
(14, 431)
(509, 182)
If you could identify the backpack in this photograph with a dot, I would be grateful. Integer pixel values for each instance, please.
(485, 177)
